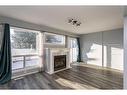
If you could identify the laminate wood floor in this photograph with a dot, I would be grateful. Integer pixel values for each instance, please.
(77, 77)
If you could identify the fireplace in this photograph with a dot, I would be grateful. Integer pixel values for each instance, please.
(59, 62)
(56, 59)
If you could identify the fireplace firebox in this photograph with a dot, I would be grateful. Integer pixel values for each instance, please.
(59, 62)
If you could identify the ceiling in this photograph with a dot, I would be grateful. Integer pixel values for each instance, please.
(93, 18)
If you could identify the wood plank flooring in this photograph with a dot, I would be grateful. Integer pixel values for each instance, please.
(77, 77)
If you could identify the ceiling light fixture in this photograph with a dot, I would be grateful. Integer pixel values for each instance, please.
(74, 22)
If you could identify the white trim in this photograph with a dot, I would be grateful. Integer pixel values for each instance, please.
(24, 29)
(24, 73)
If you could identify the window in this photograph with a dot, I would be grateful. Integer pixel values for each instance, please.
(25, 46)
(54, 39)
(73, 45)
(31, 61)
(17, 63)
(23, 41)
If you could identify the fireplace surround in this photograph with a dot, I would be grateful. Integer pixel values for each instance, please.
(56, 59)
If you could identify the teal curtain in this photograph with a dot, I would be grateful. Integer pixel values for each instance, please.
(5, 56)
(79, 51)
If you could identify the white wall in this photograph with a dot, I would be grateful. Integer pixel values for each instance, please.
(113, 49)
(91, 48)
(103, 48)
(125, 52)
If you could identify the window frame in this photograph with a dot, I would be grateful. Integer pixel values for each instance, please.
(38, 53)
(27, 30)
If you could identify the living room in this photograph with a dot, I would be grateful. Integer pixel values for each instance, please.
(61, 47)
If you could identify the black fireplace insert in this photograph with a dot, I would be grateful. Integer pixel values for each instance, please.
(59, 62)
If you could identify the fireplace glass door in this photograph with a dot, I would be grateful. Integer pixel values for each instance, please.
(59, 62)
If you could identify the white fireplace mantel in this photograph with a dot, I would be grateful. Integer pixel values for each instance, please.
(49, 58)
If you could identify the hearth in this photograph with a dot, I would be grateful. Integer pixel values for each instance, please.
(59, 62)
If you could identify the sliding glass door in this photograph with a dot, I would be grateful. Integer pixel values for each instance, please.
(26, 47)
(72, 44)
